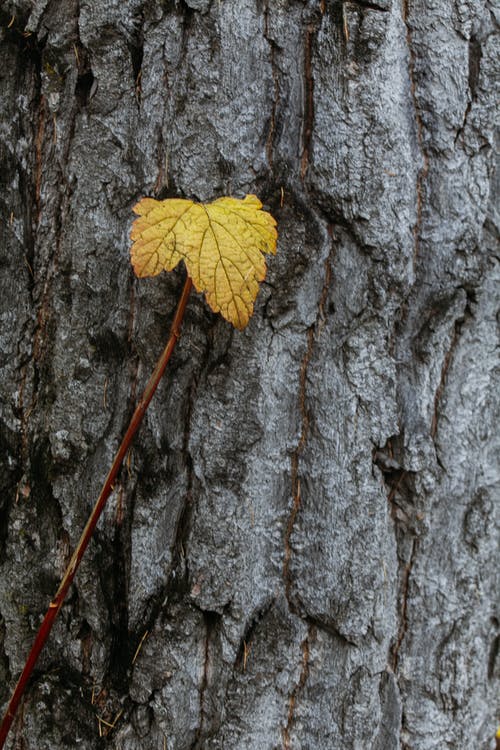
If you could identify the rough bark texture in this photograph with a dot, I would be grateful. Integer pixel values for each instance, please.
(302, 552)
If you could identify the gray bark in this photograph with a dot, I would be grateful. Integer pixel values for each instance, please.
(302, 552)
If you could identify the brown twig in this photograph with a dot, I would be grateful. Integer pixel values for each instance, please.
(58, 600)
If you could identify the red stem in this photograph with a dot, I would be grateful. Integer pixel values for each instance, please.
(58, 600)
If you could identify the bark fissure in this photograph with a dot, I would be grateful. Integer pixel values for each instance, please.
(299, 687)
(24, 413)
(447, 360)
(403, 617)
(250, 629)
(180, 570)
(276, 88)
(212, 621)
(120, 650)
(424, 170)
(44, 312)
(294, 470)
(136, 56)
(308, 119)
(39, 138)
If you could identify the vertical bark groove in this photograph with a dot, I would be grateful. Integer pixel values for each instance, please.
(312, 333)
(294, 696)
(424, 169)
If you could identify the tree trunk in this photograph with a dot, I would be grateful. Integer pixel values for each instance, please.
(302, 550)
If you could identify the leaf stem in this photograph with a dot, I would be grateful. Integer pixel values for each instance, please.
(57, 601)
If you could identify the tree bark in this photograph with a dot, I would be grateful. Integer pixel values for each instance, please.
(302, 550)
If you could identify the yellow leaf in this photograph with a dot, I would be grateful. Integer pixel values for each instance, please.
(221, 243)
